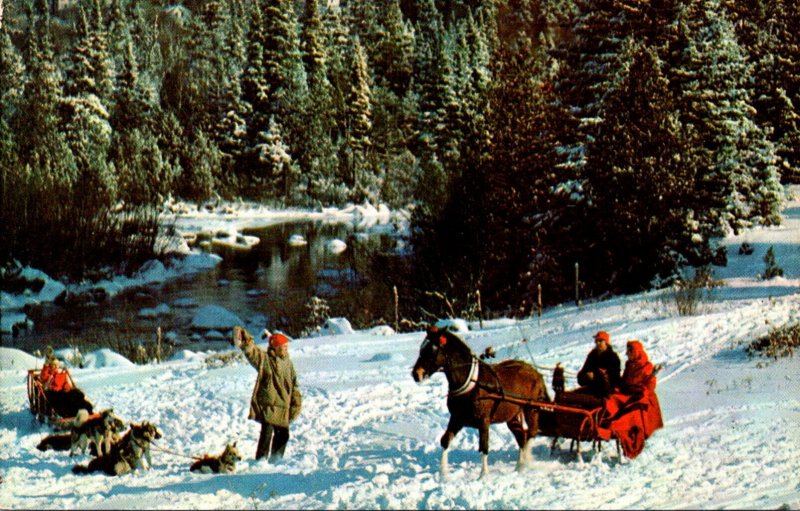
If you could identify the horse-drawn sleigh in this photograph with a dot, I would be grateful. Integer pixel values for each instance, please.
(514, 392)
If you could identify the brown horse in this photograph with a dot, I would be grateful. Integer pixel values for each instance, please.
(477, 391)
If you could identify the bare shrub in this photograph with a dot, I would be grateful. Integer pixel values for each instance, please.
(779, 342)
(687, 294)
(224, 358)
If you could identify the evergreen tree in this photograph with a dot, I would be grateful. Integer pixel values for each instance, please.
(638, 212)
(768, 31)
(736, 173)
(135, 150)
(49, 165)
(40, 142)
(274, 83)
(197, 181)
(319, 161)
(359, 124)
(393, 58)
(11, 193)
(276, 161)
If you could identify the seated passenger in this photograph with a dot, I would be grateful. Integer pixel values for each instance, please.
(637, 390)
(49, 367)
(600, 372)
(64, 399)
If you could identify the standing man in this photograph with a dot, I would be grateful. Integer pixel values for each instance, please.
(276, 397)
(600, 372)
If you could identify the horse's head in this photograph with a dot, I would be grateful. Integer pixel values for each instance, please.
(432, 355)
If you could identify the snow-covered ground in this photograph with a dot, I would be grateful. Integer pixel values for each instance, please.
(368, 436)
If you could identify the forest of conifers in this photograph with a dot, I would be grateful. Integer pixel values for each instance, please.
(529, 135)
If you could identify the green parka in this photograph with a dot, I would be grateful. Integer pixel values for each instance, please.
(276, 397)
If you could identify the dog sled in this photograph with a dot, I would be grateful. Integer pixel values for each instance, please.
(54, 407)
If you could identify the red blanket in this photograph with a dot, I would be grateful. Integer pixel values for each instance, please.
(631, 419)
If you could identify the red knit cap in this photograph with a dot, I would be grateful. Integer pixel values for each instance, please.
(602, 335)
(276, 340)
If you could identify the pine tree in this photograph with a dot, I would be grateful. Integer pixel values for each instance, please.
(275, 158)
(359, 122)
(637, 188)
(135, 151)
(768, 31)
(11, 186)
(319, 160)
(275, 83)
(197, 181)
(736, 173)
(393, 58)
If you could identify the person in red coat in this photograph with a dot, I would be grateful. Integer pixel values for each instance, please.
(633, 412)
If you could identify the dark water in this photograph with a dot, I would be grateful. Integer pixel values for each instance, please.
(266, 287)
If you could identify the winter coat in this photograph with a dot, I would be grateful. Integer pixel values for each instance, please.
(638, 375)
(59, 382)
(596, 360)
(276, 396)
(633, 413)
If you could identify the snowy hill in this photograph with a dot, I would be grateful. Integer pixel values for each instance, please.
(368, 436)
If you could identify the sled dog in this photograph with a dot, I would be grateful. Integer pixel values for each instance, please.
(98, 430)
(130, 453)
(224, 463)
(57, 442)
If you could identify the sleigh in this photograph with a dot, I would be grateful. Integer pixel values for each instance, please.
(581, 418)
(40, 404)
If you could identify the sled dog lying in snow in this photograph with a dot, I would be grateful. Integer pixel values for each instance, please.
(224, 463)
(130, 453)
(57, 442)
(99, 430)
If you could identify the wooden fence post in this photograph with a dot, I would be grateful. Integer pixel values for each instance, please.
(396, 308)
(539, 298)
(480, 309)
(158, 345)
(577, 286)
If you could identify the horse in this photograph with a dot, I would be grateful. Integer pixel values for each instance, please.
(481, 394)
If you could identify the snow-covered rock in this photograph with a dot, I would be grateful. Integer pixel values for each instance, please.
(214, 317)
(13, 359)
(297, 240)
(336, 326)
(105, 357)
(336, 246)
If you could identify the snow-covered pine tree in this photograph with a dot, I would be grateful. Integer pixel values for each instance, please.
(770, 33)
(318, 161)
(12, 189)
(737, 180)
(393, 62)
(359, 125)
(638, 185)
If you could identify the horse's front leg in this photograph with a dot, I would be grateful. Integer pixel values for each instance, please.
(483, 432)
(453, 427)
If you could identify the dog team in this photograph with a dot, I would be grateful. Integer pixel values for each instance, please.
(116, 453)
(276, 402)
